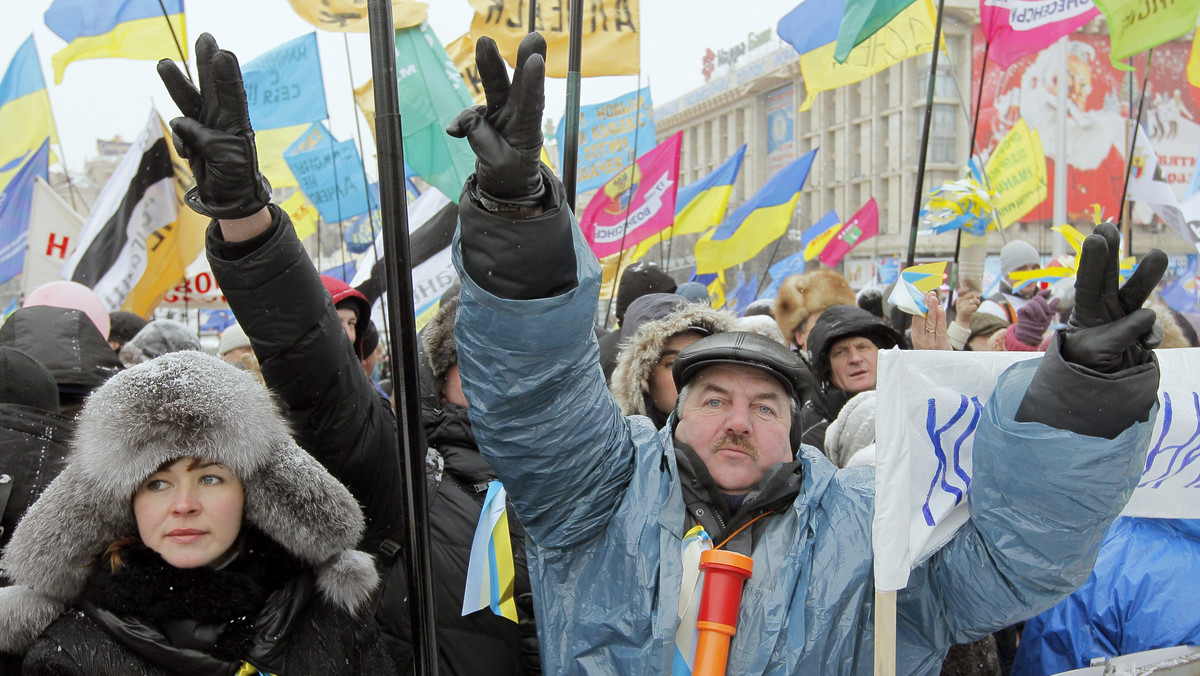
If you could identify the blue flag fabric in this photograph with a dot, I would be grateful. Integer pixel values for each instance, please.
(330, 173)
(608, 134)
(812, 24)
(284, 87)
(15, 203)
(216, 320)
(792, 265)
(1182, 295)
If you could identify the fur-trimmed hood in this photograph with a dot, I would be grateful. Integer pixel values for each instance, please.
(631, 378)
(183, 404)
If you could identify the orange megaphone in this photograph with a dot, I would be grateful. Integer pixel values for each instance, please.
(725, 573)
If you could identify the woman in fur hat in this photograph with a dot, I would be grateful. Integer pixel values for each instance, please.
(189, 535)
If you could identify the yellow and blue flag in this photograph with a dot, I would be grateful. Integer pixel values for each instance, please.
(914, 283)
(123, 29)
(25, 118)
(700, 205)
(15, 203)
(816, 237)
(490, 571)
(761, 220)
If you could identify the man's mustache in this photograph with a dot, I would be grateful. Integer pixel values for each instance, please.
(736, 440)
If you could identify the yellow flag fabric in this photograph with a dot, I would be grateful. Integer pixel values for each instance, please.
(25, 118)
(817, 245)
(147, 37)
(303, 214)
(1193, 65)
(270, 144)
(462, 53)
(364, 96)
(1137, 25)
(1016, 172)
(609, 274)
(350, 16)
(172, 247)
(716, 290)
(611, 33)
(907, 35)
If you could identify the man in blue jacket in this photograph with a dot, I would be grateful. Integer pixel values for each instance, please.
(607, 500)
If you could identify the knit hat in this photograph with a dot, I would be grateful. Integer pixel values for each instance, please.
(183, 404)
(845, 321)
(762, 306)
(639, 279)
(1016, 254)
(25, 382)
(346, 296)
(233, 337)
(648, 308)
(809, 293)
(763, 325)
(852, 430)
(157, 338)
(123, 326)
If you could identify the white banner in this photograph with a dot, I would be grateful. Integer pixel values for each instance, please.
(53, 233)
(930, 404)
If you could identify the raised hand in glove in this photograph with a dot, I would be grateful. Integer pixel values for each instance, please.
(506, 134)
(1109, 330)
(1034, 318)
(214, 135)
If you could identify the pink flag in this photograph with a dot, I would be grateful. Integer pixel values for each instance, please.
(862, 226)
(637, 203)
(1014, 28)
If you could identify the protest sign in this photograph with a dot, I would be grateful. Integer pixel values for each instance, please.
(611, 135)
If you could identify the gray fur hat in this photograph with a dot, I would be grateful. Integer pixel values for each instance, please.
(639, 354)
(157, 338)
(438, 340)
(852, 430)
(183, 404)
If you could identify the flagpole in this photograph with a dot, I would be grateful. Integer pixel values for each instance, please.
(637, 124)
(571, 133)
(403, 333)
(987, 47)
(362, 158)
(532, 15)
(178, 46)
(770, 260)
(1137, 121)
(916, 212)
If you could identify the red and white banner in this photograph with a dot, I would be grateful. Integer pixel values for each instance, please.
(637, 203)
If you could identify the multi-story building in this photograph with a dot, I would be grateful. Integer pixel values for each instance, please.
(868, 135)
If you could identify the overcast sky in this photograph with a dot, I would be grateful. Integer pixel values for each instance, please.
(101, 98)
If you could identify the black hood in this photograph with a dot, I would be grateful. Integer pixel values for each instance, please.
(66, 342)
(844, 321)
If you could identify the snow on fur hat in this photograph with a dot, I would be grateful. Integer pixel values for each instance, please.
(157, 338)
(636, 361)
(184, 404)
(806, 294)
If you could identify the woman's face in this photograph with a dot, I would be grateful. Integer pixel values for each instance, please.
(189, 512)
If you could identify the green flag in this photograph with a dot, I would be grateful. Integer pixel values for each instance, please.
(861, 19)
(1137, 25)
(431, 94)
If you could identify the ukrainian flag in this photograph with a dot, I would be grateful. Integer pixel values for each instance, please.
(25, 119)
(491, 574)
(761, 220)
(700, 205)
(124, 29)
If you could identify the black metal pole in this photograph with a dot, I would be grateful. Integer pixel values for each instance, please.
(987, 46)
(571, 134)
(770, 261)
(403, 334)
(178, 46)
(532, 15)
(916, 212)
(1137, 122)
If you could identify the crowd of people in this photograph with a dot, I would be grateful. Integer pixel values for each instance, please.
(174, 512)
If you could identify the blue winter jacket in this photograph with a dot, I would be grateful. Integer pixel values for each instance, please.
(600, 498)
(1143, 594)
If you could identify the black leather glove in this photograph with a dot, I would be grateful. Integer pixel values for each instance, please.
(214, 134)
(531, 659)
(506, 134)
(1109, 330)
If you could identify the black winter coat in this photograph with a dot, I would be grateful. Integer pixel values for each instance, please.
(153, 619)
(307, 361)
(33, 450)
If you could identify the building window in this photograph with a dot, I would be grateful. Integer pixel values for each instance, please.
(945, 85)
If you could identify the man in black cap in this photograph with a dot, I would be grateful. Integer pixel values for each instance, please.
(614, 506)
